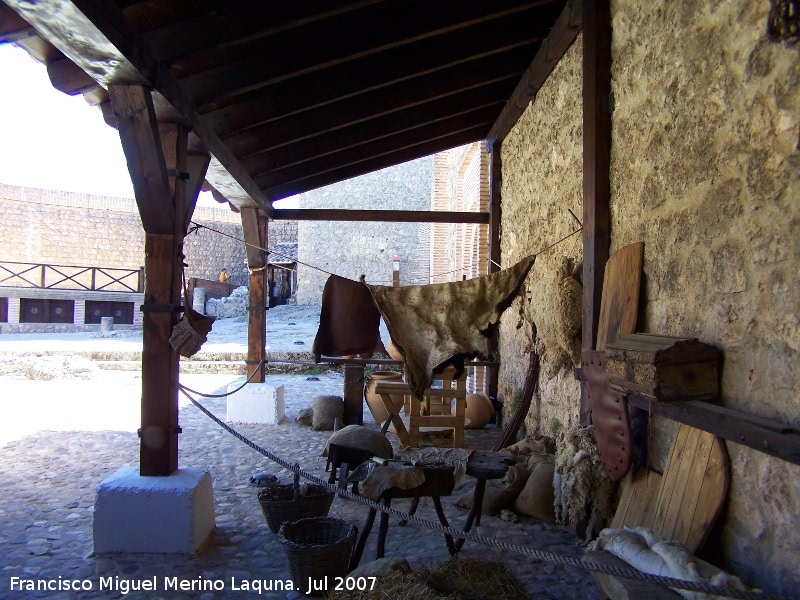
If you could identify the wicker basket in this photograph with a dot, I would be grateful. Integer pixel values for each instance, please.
(316, 549)
(287, 502)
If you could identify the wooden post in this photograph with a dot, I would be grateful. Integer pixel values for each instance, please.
(254, 225)
(396, 271)
(596, 163)
(353, 394)
(150, 151)
(495, 213)
(158, 454)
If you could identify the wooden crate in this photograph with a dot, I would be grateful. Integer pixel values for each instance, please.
(664, 367)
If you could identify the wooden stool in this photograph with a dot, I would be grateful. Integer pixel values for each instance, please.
(482, 465)
(439, 481)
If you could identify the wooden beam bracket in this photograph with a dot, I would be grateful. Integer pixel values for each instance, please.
(552, 49)
(765, 435)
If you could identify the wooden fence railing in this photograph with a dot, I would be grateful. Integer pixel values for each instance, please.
(70, 277)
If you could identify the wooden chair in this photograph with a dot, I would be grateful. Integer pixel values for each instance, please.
(680, 505)
(441, 412)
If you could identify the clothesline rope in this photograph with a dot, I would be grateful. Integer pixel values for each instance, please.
(197, 226)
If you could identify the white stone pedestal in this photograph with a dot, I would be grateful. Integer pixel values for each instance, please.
(255, 403)
(172, 514)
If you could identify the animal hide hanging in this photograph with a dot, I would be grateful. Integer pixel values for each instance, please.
(348, 322)
(440, 324)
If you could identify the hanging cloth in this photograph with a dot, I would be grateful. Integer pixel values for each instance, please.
(349, 321)
(434, 325)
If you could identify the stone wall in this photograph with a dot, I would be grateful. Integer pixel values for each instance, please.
(705, 171)
(107, 232)
(705, 167)
(352, 249)
(541, 179)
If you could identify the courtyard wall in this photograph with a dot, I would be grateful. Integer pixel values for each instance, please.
(69, 228)
(350, 249)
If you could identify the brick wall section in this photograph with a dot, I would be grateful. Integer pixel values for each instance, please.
(461, 183)
(68, 228)
(352, 249)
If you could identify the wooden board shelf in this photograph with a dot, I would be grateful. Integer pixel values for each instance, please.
(762, 434)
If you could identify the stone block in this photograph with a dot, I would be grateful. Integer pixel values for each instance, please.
(255, 403)
(169, 515)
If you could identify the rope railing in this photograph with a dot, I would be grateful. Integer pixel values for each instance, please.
(540, 555)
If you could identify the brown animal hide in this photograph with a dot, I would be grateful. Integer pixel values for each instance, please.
(348, 322)
(440, 324)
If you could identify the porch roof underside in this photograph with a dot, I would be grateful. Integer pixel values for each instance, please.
(288, 97)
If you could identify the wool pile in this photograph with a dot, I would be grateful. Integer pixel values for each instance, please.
(583, 492)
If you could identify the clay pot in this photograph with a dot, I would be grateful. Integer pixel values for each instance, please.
(479, 410)
(374, 402)
(364, 356)
(393, 351)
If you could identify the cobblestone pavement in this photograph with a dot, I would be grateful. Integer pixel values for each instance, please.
(59, 439)
(48, 481)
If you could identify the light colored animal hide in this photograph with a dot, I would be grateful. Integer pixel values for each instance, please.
(439, 324)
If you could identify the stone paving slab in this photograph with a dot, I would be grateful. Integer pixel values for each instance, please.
(48, 479)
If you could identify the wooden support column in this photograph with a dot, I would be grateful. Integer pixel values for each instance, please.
(597, 104)
(353, 394)
(254, 225)
(156, 197)
(495, 260)
(158, 450)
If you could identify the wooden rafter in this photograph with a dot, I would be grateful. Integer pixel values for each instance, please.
(69, 78)
(394, 27)
(219, 28)
(424, 101)
(425, 148)
(13, 28)
(350, 138)
(564, 32)
(475, 121)
(443, 56)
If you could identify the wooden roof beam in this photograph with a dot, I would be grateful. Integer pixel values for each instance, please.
(205, 33)
(69, 78)
(416, 120)
(564, 32)
(284, 141)
(95, 35)
(13, 28)
(425, 92)
(374, 163)
(481, 118)
(384, 216)
(461, 49)
(400, 28)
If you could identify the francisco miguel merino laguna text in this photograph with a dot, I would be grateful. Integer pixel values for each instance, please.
(197, 584)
